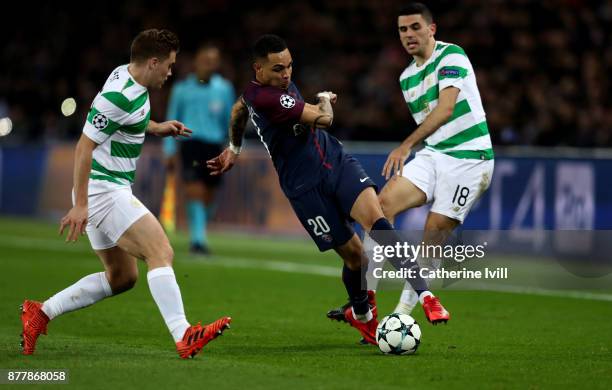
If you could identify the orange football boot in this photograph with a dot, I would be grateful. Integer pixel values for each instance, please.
(197, 336)
(367, 329)
(34, 322)
(434, 311)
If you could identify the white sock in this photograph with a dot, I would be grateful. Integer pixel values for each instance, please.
(363, 317)
(408, 300)
(429, 264)
(423, 295)
(87, 291)
(167, 295)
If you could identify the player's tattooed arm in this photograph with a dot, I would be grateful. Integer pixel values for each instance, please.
(321, 114)
(238, 120)
(226, 160)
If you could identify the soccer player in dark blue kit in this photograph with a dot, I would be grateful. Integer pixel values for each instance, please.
(326, 187)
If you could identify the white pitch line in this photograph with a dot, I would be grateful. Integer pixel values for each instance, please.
(514, 289)
(43, 244)
(280, 266)
(289, 267)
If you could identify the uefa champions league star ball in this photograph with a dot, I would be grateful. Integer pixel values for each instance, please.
(398, 334)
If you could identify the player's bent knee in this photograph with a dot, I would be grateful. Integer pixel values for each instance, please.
(440, 223)
(126, 284)
(354, 258)
(158, 252)
(165, 255)
(387, 205)
(353, 262)
(121, 282)
(366, 209)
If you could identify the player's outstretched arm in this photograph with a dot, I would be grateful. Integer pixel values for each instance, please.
(76, 219)
(436, 118)
(226, 160)
(320, 115)
(169, 128)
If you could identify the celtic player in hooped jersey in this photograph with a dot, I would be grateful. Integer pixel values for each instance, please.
(456, 164)
(119, 226)
(117, 122)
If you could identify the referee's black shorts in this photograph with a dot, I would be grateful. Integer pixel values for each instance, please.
(194, 154)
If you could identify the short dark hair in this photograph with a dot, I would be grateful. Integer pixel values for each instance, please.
(266, 44)
(153, 43)
(417, 9)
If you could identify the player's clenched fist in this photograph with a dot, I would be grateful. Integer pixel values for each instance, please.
(332, 97)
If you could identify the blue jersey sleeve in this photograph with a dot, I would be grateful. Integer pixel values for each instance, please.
(173, 112)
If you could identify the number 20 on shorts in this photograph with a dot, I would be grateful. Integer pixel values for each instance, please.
(319, 225)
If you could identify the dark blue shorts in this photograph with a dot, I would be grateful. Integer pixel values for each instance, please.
(325, 209)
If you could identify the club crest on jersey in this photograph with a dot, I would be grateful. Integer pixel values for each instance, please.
(287, 101)
(100, 121)
(327, 237)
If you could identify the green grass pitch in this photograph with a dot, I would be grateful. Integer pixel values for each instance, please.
(278, 292)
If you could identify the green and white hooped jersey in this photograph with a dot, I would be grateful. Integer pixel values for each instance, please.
(466, 134)
(117, 121)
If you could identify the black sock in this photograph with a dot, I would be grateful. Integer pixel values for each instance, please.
(384, 234)
(359, 297)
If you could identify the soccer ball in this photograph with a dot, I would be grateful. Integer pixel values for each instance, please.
(398, 334)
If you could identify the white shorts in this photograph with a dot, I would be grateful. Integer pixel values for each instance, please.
(110, 215)
(451, 184)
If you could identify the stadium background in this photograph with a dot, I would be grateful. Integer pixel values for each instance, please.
(543, 70)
